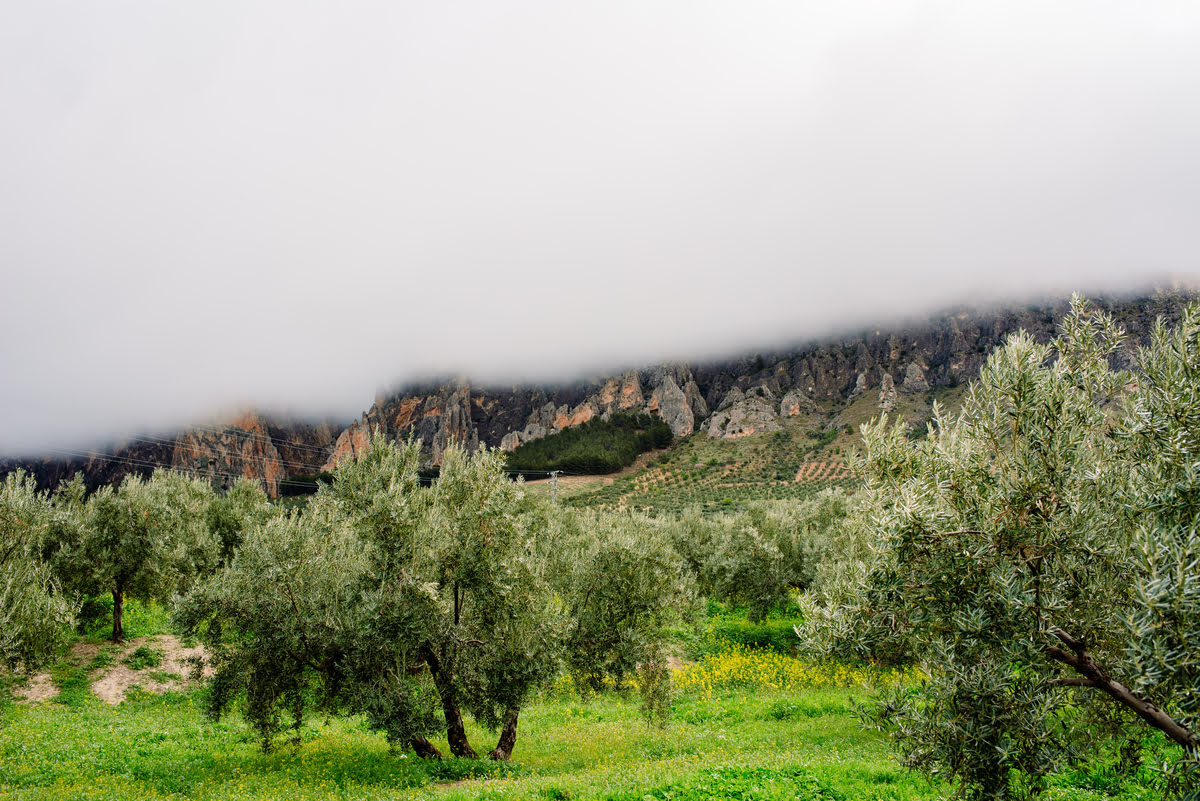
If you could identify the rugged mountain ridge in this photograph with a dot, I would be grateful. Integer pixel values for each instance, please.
(722, 398)
(250, 445)
(506, 417)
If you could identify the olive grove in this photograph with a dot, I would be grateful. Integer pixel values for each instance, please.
(147, 539)
(416, 605)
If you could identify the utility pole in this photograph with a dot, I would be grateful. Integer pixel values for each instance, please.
(554, 486)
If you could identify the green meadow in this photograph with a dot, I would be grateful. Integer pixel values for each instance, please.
(748, 721)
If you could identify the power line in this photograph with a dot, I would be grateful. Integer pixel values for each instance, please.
(261, 437)
(234, 430)
(296, 466)
(190, 472)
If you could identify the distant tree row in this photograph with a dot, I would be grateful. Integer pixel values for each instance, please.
(595, 447)
(303, 483)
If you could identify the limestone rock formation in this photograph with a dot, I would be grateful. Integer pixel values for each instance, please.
(353, 441)
(670, 403)
(543, 420)
(695, 401)
(243, 448)
(796, 402)
(621, 394)
(914, 378)
(733, 397)
(887, 393)
(673, 395)
(750, 415)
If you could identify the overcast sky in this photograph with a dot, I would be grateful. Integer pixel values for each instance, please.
(284, 204)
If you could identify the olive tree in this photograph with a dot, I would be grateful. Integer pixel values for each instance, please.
(761, 555)
(455, 583)
(1037, 552)
(418, 606)
(236, 510)
(621, 584)
(34, 613)
(1162, 432)
(852, 610)
(147, 539)
(411, 605)
(275, 618)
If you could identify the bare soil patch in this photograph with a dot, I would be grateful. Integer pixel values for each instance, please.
(115, 681)
(38, 688)
(84, 652)
(111, 683)
(41, 687)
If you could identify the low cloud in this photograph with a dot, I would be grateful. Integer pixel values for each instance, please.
(287, 207)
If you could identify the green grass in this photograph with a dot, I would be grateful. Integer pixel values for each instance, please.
(734, 739)
(731, 744)
(138, 618)
(144, 657)
(162, 747)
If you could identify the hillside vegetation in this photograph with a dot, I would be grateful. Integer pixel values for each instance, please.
(811, 452)
(593, 448)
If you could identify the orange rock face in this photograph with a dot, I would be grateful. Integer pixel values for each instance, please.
(608, 392)
(351, 442)
(242, 448)
(631, 393)
(583, 412)
(404, 416)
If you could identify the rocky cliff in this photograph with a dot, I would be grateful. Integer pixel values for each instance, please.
(470, 415)
(721, 398)
(250, 445)
(751, 395)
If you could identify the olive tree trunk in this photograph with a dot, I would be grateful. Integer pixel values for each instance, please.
(425, 749)
(1092, 675)
(118, 595)
(508, 737)
(443, 679)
